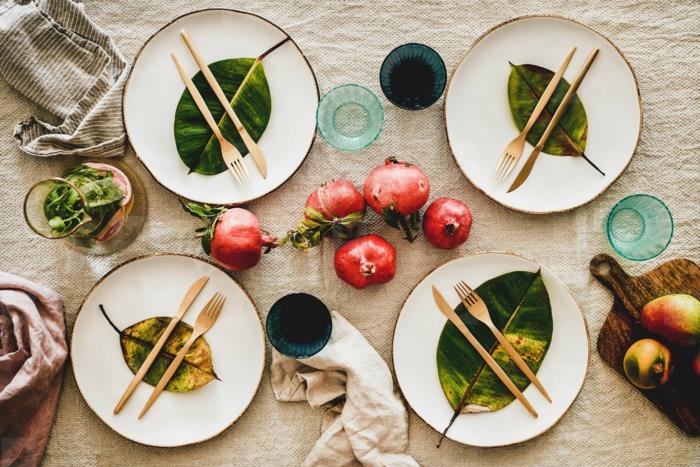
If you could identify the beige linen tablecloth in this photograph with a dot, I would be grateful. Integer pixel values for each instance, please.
(609, 424)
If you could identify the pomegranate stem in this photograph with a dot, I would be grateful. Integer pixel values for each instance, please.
(405, 226)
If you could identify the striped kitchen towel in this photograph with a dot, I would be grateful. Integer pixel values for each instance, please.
(53, 54)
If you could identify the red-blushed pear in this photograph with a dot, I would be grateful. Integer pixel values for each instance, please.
(365, 261)
(696, 363)
(647, 364)
(675, 317)
(447, 223)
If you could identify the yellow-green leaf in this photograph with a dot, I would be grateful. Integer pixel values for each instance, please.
(138, 340)
(525, 86)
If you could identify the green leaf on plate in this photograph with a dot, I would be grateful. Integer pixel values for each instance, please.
(519, 306)
(525, 86)
(249, 94)
(138, 340)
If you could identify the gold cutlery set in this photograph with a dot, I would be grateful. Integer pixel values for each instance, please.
(513, 150)
(478, 309)
(232, 157)
(205, 320)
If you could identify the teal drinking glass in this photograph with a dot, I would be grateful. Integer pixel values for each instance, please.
(299, 325)
(413, 76)
(639, 227)
(350, 117)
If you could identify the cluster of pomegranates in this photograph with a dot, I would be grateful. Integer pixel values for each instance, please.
(395, 190)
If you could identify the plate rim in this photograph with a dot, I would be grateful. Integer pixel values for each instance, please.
(163, 254)
(563, 18)
(227, 10)
(565, 288)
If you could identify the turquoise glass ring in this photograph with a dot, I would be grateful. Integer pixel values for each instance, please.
(350, 117)
(639, 227)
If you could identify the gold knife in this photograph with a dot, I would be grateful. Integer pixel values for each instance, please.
(252, 146)
(447, 310)
(530, 163)
(191, 294)
(204, 321)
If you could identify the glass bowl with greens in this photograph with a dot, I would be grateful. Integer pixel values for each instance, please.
(98, 207)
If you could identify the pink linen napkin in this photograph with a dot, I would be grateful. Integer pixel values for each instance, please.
(32, 353)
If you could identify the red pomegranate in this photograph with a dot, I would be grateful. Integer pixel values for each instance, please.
(397, 190)
(233, 237)
(447, 223)
(237, 241)
(365, 261)
(336, 199)
(335, 208)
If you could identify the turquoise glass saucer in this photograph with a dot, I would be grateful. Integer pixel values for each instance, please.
(639, 227)
(350, 117)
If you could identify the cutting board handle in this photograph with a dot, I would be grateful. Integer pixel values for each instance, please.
(609, 272)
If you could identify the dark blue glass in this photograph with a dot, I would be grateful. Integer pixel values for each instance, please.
(413, 76)
(299, 325)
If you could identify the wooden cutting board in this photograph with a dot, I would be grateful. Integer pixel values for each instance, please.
(679, 398)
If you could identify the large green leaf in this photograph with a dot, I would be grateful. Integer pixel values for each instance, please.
(250, 98)
(519, 306)
(525, 86)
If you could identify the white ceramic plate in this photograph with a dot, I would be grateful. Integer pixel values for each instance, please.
(154, 88)
(479, 122)
(415, 343)
(154, 286)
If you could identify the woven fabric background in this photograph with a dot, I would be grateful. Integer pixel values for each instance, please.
(609, 424)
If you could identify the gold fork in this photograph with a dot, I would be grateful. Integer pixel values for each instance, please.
(205, 320)
(512, 152)
(447, 310)
(477, 308)
(558, 114)
(250, 144)
(232, 157)
(190, 296)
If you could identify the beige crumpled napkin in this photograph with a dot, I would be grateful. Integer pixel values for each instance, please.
(366, 420)
(32, 353)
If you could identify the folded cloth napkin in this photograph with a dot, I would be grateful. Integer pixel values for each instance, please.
(366, 420)
(32, 353)
(53, 54)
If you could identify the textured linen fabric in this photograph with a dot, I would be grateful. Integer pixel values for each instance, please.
(75, 73)
(32, 353)
(345, 42)
(364, 418)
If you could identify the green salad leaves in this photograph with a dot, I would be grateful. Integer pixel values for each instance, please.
(64, 208)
